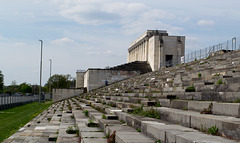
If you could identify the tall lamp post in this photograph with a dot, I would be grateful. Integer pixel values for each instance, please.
(40, 88)
(50, 76)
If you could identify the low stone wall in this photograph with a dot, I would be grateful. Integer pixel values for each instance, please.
(95, 78)
(61, 94)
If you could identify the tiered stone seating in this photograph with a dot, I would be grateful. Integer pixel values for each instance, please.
(164, 130)
(216, 87)
(215, 80)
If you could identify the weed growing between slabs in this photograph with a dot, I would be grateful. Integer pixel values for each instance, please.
(14, 118)
(148, 113)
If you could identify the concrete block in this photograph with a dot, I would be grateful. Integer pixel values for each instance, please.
(228, 109)
(231, 129)
(149, 103)
(204, 121)
(132, 137)
(167, 133)
(94, 140)
(175, 116)
(165, 102)
(128, 110)
(92, 135)
(145, 125)
(179, 104)
(52, 137)
(112, 117)
(198, 105)
(198, 137)
(122, 116)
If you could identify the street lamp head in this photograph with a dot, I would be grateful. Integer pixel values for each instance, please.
(41, 40)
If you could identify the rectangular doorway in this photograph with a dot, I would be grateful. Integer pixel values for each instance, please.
(169, 60)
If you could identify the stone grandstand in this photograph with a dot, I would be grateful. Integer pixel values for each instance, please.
(196, 102)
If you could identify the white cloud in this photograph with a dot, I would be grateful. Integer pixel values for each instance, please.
(205, 23)
(132, 17)
(63, 41)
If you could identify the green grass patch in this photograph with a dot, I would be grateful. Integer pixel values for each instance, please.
(14, 118)
(190, 89)
(148, 113)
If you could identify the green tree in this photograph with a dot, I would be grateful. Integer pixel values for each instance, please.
(35, 89)
(13, 87)
(1, 81)
(25, 88)
(60, 81)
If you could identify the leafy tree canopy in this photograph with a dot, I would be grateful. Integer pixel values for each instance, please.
(1, 81)
(25, 88)
(60, 81)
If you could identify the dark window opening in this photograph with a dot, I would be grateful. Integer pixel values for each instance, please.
(169, 60)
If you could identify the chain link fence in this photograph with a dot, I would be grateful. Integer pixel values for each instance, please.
(228, 46)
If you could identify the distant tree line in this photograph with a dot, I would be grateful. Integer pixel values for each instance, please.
(56, 81)
(1, 82)
(61, 81)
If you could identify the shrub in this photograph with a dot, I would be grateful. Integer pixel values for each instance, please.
(85, 112)
(158, 104)
(190, 89)
(199, 75)
(217, 74)
(237, 101)
(104, 116)
(92, 124)
(213, 130)
(220, 81)
(148, 113)
(49, 119)
(71, 130)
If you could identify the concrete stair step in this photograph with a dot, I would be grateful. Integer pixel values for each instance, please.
(165, 132)
(124, 134)
(227, 126)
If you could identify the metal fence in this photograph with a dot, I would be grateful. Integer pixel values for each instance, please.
(12, 101)
(229, 45)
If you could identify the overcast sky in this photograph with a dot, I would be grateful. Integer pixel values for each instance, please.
(82, 34)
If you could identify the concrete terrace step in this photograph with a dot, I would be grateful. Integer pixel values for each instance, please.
(227, 126)
(218, 108)
(166, 132)
(227, 109)
(124, 134)
(177, 133)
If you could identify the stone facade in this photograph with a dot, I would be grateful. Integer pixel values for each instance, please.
(61, 94)
(80, 78)
(95, 78)
(157, 48)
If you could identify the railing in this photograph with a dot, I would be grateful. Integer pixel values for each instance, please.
(12, 101)
(228, 46)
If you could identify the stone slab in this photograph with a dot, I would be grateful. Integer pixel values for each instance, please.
(92, 134)
(165, 102)
(179, 104)
(227, 109)
(112, 117)
(94, 140)
(132, 137)
(198, 105)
